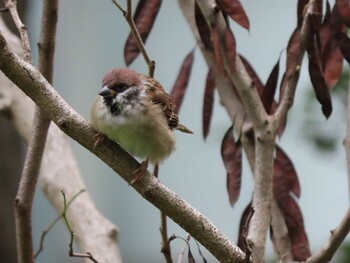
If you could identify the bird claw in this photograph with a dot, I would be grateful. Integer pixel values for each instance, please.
(98, 137)
(139, 172)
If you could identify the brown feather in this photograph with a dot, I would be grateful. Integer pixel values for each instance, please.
(158, 96)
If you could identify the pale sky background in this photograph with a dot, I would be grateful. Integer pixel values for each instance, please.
(91, 37)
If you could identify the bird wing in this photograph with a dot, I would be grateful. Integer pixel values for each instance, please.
(159, 97)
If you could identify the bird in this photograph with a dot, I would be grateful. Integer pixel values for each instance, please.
(134, 110)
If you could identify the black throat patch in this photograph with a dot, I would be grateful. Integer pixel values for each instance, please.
(113, 107)
(131, 98)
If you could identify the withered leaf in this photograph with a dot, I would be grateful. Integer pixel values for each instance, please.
(178, 91)
(253, 75)
(230, 48)
(344, 10)
(316, 74)
(208, 102)
(285, 182)
(231, 154)
(285, 178)
(203, 28)
(331, 56)
(144, 17)
(295, 225)
(268, 93)
(320, 88)
(293, 57)
(235, 10)
(215, 35)
(241, 243)
(344, 43)
(190, 256)
(300, 11)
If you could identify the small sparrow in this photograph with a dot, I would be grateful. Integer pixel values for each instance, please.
(134, 110)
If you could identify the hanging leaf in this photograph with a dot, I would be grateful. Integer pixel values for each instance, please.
(178, 91)
(235, 10)
(203, 28)
(217, 53)
(208, 102)
(190, 256)
(300, 12)
(295, 225)
(231, 154)
(244, 226)
(230, 48)
(285, 179)
(344, 43)
(316, 74)
(268, 93)
(320, 88)
(293, 58)
(331, 56)
(344, 10)
(253, 75)
(144, 17)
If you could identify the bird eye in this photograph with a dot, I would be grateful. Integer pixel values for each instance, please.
(120, 87)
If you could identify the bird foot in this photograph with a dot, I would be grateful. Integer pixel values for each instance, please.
(98, 137)
(139, 172)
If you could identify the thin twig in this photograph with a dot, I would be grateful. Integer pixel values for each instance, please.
(128, 16)
(338, 235)
(29, 177)
(11, 5)
(166, 250)
(47, 230)
(71, 251)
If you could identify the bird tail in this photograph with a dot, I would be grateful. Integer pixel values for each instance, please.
(182, 128)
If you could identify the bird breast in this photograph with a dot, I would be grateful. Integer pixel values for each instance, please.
(141, 129)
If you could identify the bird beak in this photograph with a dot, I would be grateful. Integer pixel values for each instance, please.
(106, 92)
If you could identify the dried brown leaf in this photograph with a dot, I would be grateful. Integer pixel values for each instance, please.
(241, 243)
(316, 73)
(285, 182)
(344, 43)
(295, 225)
(203, 28)
(231, 153)
(208, 102)
(285, 178)
(235, 10)
(190, 256)
(144, 17)
(300, 11)
(268, 94)
(253, 75)
(331, 56)
(344, 10)
(178, 91)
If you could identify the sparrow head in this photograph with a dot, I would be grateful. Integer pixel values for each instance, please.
(121, 88)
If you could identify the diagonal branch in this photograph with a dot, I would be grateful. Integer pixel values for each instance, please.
(27, 185)
(338, 235)
(31, 82)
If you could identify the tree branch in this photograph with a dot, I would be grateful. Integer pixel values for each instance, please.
(29, 80)
(59, 171)
(338, 235)
(25, 194)
(128, 16)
